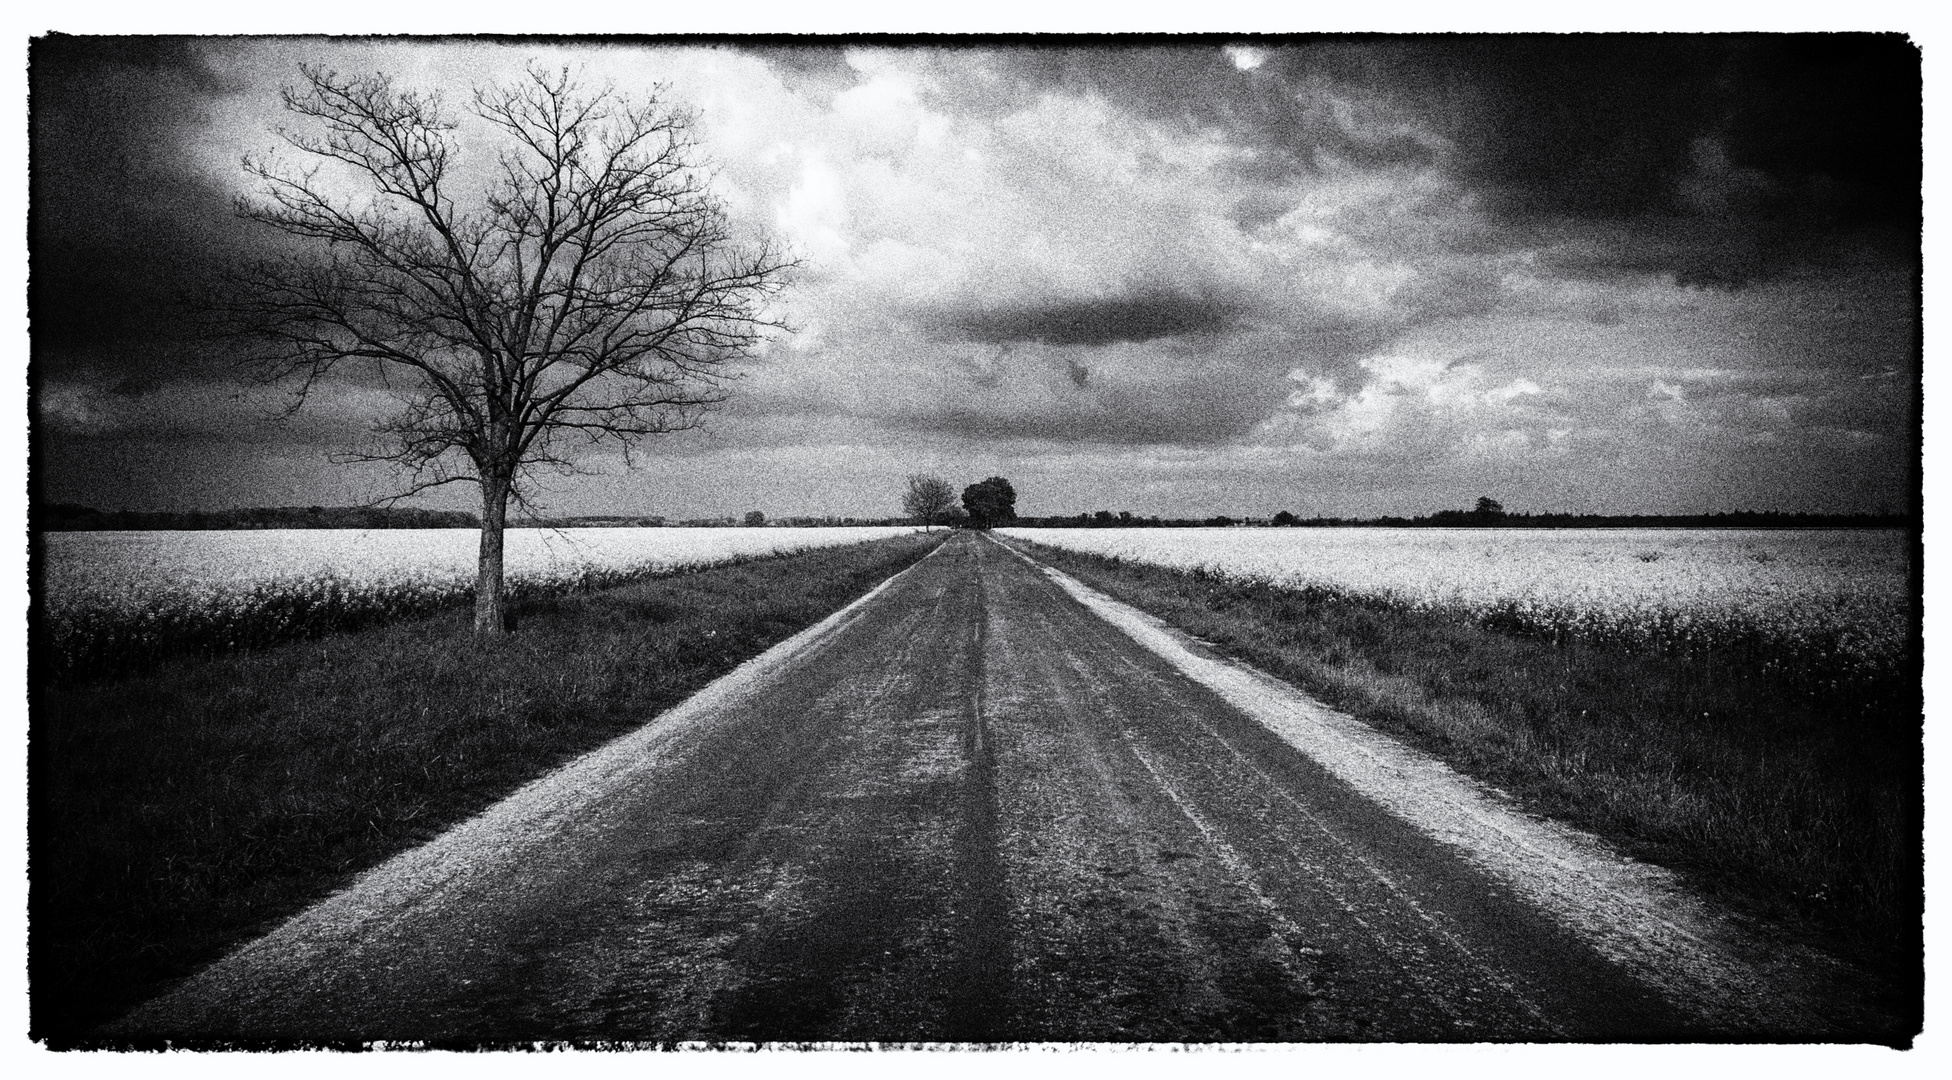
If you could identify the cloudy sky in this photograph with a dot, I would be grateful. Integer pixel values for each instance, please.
(1349, 277)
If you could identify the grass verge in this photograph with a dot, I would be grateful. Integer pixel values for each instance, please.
(1797, 801)
(176, 812)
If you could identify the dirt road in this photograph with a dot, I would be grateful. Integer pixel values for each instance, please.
(969, 808)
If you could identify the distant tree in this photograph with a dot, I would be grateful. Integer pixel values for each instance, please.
(929, 499)
(581, 286)
(990, 503)
(1489, 509)
(754, 519)
(1285, 518)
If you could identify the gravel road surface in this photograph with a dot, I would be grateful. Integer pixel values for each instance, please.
(968, 808)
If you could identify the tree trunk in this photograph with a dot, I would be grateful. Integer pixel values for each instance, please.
(490, 607)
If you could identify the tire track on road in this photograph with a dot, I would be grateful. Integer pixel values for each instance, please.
(977, 1007)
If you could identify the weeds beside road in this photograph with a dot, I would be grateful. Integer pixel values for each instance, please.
(175, 812)
(1800, 802)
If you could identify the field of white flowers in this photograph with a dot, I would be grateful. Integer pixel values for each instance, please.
(111, 597)
(1835, 598)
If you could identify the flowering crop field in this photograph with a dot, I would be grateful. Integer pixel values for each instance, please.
(1837, 600)
(114, 597)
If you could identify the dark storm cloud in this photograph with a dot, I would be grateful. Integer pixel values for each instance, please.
(1749, 154)
(123, 231)
(1783, 141)
(1723, 253)
(815, 71)
(1138, 317)
(1184, 415)
(1818, 127)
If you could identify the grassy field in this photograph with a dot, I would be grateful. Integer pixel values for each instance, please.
(176, 811)
(1800, 801)
(110, 603)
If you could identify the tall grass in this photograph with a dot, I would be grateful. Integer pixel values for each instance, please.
(1818, 606)
(108, 604)
(175, 811)
(1795, 796)
(92, 640)
(1816, 658)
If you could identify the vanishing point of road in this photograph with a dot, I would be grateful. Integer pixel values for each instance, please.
(969, 808)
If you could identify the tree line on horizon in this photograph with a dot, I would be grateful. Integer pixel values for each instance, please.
(1454, 519)
(939, 504)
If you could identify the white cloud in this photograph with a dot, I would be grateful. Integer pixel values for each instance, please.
(1245, 57)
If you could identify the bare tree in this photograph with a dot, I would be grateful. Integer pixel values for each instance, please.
(929, 499)
(590, 290)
